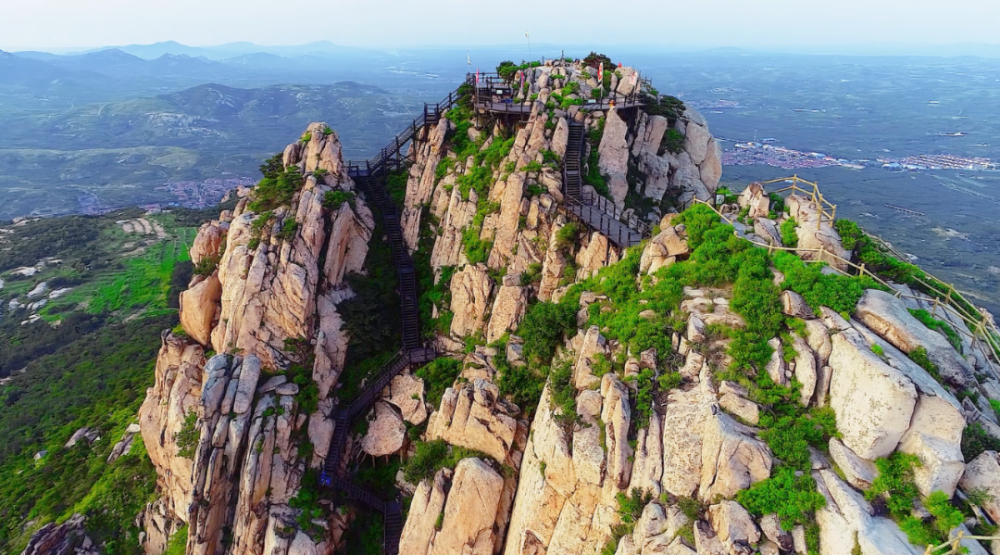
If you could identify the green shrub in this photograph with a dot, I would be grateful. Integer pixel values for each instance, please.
(395, 184)
(644, 382)
(187, 437)
(975, 440)
(442, 168)
(543, 328)
(277, 190)
(428, 458)
(207, 265)
(288, 229)
(778, 206)
(919, 355)
(562, 392)
(307, 501)
(178, 542)
(476, 250)
(667, 106)
(566, 236)
(938, 325)
(629, 510)
(439, 375)
(532, 274)
(431, 456)
(672, 142)
(669, 380)
(895, 482)
(838, 292)
(521, 384)
(698, 219)
(793, 498)
(874, 258)
(789, 237)
(333, 199)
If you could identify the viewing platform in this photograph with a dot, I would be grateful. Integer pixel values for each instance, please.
(497, 96)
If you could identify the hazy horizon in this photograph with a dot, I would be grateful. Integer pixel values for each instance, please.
(782, 25)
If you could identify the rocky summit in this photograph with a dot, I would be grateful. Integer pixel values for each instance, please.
(738, 373)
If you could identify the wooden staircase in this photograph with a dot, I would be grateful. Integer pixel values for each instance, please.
(597, 212)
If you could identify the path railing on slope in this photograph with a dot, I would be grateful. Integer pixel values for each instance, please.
(413, 352)
(984, 334)
(621, 228)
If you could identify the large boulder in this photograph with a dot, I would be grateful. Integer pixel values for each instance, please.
(206, 244)
(732, 457)
(816, 232)
(406, 392)
(873, 401)
(711, 168)
(467, 526)
(755, 199)
(68, 538)
(471, 416)
(983, 473)
(888, 316)
(683, 431)
(696, 142)
(846, 516)
(425, 509)
(613, 161)
(386, 434)
(508, 309)
(734, 527)
(859, 472)
(767, 230)
(935, 429)
(662, 250)
(470, 293)
(199, 306)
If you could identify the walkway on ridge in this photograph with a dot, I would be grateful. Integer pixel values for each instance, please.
(595, 211)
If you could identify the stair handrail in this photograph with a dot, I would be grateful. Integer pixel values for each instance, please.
(377, 383)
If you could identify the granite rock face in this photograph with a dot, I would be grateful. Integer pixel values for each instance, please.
(549, 478)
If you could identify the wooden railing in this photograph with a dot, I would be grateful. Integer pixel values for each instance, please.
(954, 545)
(981, 330)
(817, 196)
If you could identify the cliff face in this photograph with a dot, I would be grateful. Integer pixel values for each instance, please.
(597, 399)
(269, 308)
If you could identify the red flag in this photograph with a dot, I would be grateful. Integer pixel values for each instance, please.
(477, 77)
(619, 65)
(600, 73)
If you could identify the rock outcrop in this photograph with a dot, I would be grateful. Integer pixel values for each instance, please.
(230, 458)
(816, 232)
(68, 538)
(664, 413)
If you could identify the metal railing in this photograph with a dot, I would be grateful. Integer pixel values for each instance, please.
(491, 85)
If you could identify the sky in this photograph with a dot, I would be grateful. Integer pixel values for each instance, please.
(781, 24)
